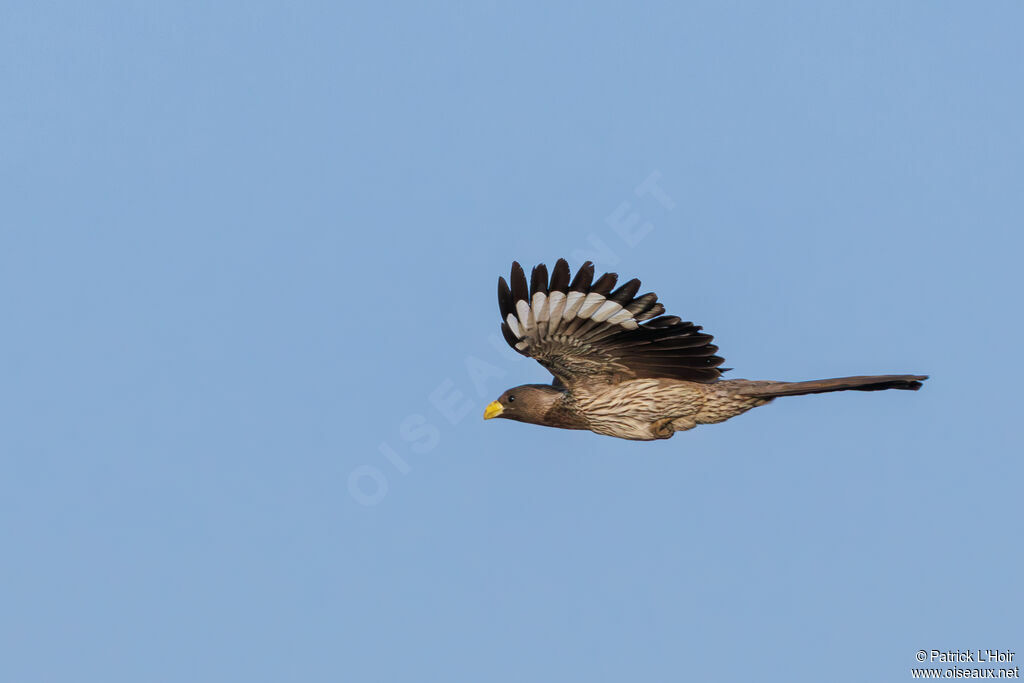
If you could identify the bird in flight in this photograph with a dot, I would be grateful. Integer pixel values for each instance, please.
(622, 368)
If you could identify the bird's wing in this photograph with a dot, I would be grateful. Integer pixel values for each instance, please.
(584, 333)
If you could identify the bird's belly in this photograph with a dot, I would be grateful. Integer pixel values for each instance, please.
(628, 410)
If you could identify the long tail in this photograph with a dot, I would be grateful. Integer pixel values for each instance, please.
(821, 386)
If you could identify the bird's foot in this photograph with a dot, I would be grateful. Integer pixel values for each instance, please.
(663, 428)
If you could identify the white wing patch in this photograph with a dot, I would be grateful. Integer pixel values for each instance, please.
(607, 310)
(525, 316)
(559, 309)
(539, 306)
(572, 305)
(590, 305)
(556, 304)
(513, 324)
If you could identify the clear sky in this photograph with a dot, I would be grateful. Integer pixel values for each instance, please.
(248, 258)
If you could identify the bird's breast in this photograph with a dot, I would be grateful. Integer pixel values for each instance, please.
(628, 409)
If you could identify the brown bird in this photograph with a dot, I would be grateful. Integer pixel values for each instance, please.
(623, 369)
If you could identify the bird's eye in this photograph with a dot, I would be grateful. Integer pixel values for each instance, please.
(511, 399)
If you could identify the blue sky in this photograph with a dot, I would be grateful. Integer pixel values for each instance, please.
(247, 268)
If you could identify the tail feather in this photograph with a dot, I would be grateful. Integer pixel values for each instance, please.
(821, 386)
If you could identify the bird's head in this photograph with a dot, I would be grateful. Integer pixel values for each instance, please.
(526, 403)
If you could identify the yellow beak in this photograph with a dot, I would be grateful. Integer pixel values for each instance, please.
(493, 409)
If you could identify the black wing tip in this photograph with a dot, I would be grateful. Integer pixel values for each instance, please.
(539, 279)
(584, 276)
(625, 294)
(504, 297)
(604, 284)
(583, 281)
(517, 278)
(560, 277)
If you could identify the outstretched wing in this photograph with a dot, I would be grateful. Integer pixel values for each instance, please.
(583, 332)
